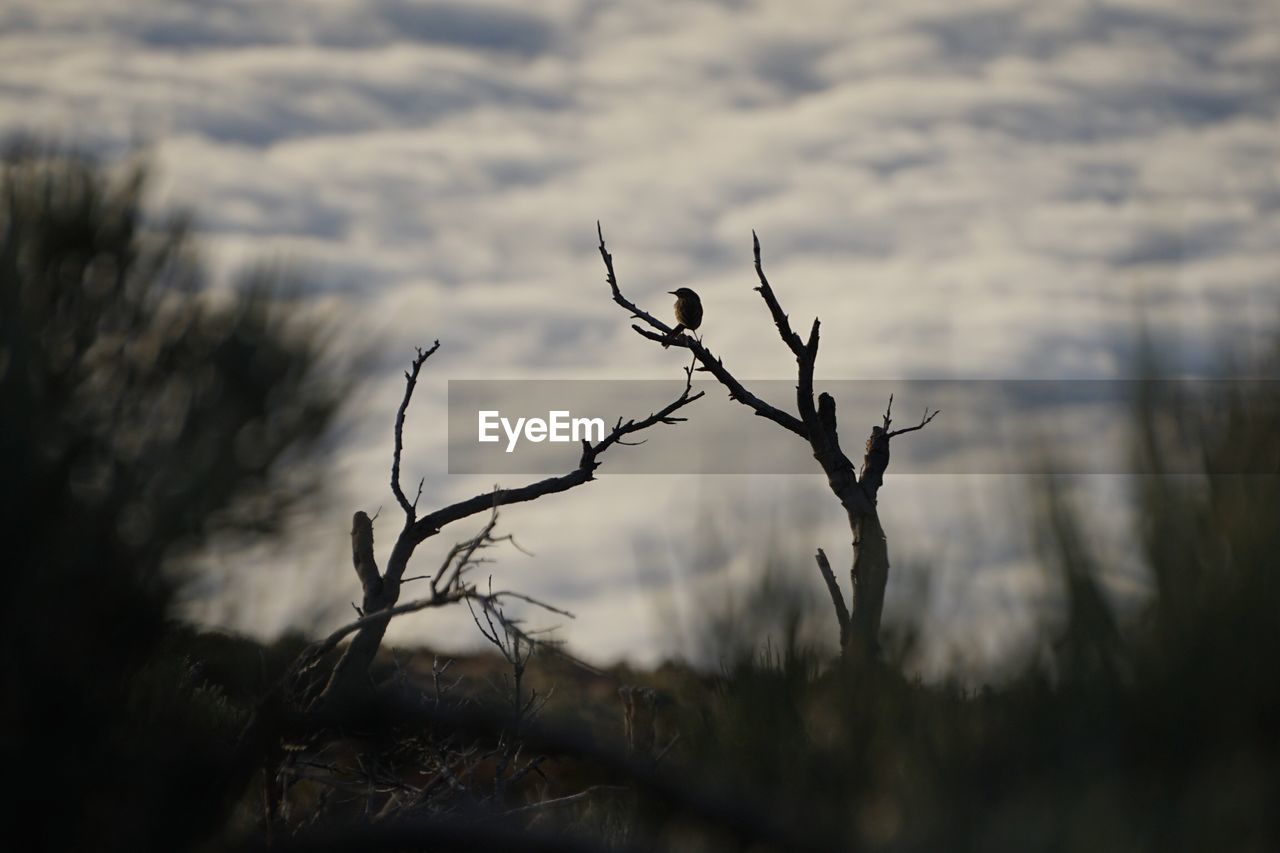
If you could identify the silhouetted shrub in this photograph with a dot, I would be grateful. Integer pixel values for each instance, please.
(140, 419)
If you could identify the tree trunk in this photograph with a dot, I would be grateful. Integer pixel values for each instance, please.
(379, 593)
(870, 578)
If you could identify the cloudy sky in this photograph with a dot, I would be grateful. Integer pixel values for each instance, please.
(960, 189)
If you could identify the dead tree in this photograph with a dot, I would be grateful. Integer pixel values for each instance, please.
(448, 585)
(857, 491)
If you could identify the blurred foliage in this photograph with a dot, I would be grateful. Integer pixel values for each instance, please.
(1146, 731)
(142, 418)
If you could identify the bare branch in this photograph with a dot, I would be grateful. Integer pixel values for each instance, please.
(460, 555)
(837, 598)
(708, 361)
(662, 416)
(888, 419)
(568, 800)
(780, 319)
(924, 421)
(617, 293)
(362, 555)
(503, 629)
(657, 759)
(316, 652)
(806, 354)
(329, 643)
(411, 380)
(430, 524)
(506, 593)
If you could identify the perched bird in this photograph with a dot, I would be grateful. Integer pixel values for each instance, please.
(688, 313)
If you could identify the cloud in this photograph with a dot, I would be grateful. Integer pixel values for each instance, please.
(470, 26)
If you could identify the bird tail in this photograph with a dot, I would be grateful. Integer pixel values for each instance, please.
(675, 333)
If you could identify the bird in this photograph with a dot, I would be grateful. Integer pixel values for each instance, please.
(688, 313)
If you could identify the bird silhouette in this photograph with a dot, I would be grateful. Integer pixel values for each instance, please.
(688, 313)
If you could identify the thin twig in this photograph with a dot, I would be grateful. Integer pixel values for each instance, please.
(313, 655)
(924, 421)
(568, 800)
(460, 555)
(780, 319)
(411, 381)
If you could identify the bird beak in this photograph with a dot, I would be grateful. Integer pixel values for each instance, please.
(672, 292)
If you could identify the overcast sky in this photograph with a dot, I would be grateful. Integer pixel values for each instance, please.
(960, 189)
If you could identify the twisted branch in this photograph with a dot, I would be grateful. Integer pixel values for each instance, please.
(411, 381)
(708, 361)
